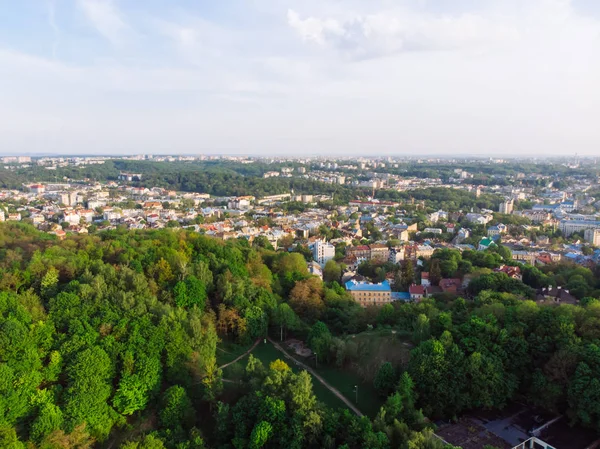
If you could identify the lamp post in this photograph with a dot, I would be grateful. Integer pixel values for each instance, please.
(356, 391)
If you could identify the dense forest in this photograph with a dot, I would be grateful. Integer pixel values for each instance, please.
(221, 178)
(110, 340)
(215, 178)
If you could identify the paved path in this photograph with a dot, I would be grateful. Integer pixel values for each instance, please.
(242, 356)
(334, 390)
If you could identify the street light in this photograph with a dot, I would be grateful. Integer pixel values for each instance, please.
(356, 391)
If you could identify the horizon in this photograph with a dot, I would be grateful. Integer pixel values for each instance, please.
(199, 157)
(460, 80)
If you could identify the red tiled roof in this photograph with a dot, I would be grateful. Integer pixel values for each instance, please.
(416, 290)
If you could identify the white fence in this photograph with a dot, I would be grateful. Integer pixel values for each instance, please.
(533, 443)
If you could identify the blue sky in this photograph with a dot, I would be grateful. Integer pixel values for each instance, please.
(300, 77)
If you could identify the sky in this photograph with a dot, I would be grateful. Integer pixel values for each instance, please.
(300, 77)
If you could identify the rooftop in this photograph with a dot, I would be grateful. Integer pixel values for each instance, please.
(368, 286)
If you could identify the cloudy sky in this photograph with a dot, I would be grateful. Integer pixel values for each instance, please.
(300, 77)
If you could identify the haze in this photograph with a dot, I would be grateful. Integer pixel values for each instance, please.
(352, 77)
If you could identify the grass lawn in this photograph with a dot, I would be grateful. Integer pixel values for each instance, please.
(374, 348)
(267, 353)
(369, 401)
(228, 351)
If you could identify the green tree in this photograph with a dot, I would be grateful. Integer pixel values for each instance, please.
(89, 388)
(176, 410)
(435, 272)
(407, 274)
(385, 379)
(260, 435)
(421, 328)
(332, 271)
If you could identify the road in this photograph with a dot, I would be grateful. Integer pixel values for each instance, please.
(334, 390)
(242, 356)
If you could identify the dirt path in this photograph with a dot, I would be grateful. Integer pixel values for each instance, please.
(241, 356)
(334, 390)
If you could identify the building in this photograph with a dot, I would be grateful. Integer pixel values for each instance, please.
(360, 252)
(130, 176)
(568, 227)
(241, 203)
(506, 207)
(432, 230)
(485, 243)
(592, 236)
(497, 230)
(450, 285)
(380, 253)
(315, 269)
(368, 294)
(323, 252)
(416, 292)
(511, 272)
(479, 218)
(72, 217)
(2, 217)
(424, 251)
(37, 188)
(524, 256)
(425, 279)
(396, 255)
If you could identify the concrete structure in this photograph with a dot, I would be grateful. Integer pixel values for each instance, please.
(568, 227)
(506, 207)
(368, 294)
(380, 253)
(315, 269)
(37, 188)
(323, 252)
(130, 176)
(396, 255)
(361, 251)
(592, 236)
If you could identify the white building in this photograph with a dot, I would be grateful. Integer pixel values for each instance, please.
(506, 207)
(72, 217)
(323, 252)
(568, 227)
(239, 203)
(592, 236)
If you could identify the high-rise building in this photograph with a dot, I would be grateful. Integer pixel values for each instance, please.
(592, 236)
(323, 252)
(507, 207)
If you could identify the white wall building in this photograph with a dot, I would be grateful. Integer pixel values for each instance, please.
(323, 252)
(507, 207)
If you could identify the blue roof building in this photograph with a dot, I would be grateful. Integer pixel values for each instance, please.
(369, 294)
(364, 286)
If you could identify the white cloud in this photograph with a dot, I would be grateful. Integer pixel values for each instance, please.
(385, 33)
(105, 17)
(333, 77)
(53, 25)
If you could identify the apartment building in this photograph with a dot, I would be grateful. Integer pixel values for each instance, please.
(368, 294)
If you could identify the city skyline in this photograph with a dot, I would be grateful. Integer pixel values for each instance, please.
(314, 78)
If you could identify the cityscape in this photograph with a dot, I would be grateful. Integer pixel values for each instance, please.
(382, 233)
(299, 224)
